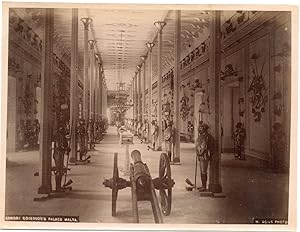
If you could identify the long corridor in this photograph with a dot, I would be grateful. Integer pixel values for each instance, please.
(244, 185)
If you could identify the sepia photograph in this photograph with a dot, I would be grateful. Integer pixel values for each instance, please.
(124, 115)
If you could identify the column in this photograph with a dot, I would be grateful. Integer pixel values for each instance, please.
(143, 88)
(103, 98)
(177, 86)
(150, 46)
(159, 25)
(86, 22)
(92, 88)
(101, 90)
(133, 99)
(46, 86)
(214, 97)
(139, 93)
(96, 89)
(136, 97)
(73, 85)
(92, 78)
(100, 81)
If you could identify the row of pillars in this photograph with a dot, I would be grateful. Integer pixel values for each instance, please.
(138, 86)
(94, 92)
(90, 111)
(138, 89)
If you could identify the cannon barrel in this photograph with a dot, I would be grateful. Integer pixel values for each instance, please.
(141, 173)
(143, 187)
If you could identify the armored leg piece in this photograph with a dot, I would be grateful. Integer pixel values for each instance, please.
(58, 187)
(204, 181)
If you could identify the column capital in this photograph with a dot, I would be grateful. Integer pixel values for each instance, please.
(98, 58)
(92, 43)
(138, 67)
(160, 25)
(86, 22)
(143, 58)
(150, 45)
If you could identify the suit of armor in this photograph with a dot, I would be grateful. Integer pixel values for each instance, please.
(82, 137)
(204, 150)
(61, 148)
(139, 129)
(36, 131)
(239, 138)
(169, 135)
(145, 130)
(91, 133)
(154, 132)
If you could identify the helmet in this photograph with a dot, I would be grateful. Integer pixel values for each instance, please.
(202, 126)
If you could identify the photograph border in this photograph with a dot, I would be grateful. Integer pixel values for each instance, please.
(129, 226)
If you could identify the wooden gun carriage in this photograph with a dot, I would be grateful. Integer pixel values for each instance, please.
(143, 186)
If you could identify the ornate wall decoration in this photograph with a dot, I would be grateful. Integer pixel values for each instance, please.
(154, 105)
(285, 51)
(184, 107)
(32, 39)
(241, 17)
(190, 129)
(166, 108)
(27, 100)
(13, 67)
(198, 52)
(197, 84)
(24, 31)
(229, 28)
(277, 68)
(257, 90)
(208, 104)
(154, 85)
(277, 104)
(146, 110)
(60, 98)
(232, 24)
(229, 71)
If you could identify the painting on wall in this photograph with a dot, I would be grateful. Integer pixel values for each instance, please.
(258, 94)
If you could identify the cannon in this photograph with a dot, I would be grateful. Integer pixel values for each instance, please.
(143, 186)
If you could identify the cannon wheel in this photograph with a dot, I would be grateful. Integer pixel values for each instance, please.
(165, 177)
(115, 186)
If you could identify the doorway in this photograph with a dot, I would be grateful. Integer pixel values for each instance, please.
(230, 115)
